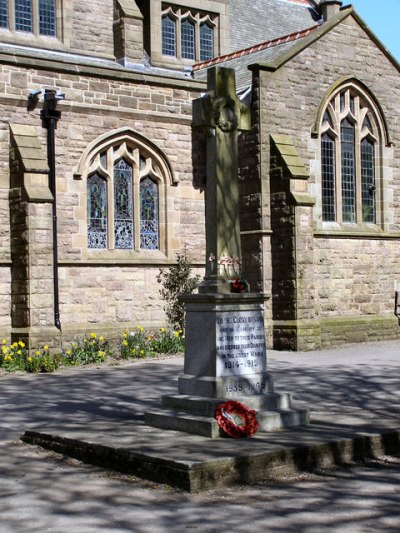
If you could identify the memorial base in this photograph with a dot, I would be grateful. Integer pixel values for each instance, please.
(225, 359)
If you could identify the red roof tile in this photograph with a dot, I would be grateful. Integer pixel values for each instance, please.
(258, 47)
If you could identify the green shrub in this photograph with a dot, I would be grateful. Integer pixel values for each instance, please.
(177, 281)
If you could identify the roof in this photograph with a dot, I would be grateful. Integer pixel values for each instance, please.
(262, 20)
(268, 51)
(274, 53)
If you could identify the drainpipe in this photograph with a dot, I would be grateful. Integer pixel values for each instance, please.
(50, 116)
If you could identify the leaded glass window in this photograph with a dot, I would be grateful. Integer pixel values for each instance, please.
(187, 39)
(123, 196)
(31, 16)
(206, 42)
(149, 233)
(328, 178)
(3, 13)
(368, 180)
(187, 33)
(47, 17)
(23, 15)
(123, 205)
(168, 36)
(97, 211)
(348, 168)
(349, 141)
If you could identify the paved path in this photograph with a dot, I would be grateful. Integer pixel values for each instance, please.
(43, 492)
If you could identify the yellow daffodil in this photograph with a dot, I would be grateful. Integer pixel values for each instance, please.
(162, 330)
(68, 352)
(93, 335)
(4, 341)
(37, 352)
(19, 352)
(101, 338)
(29, 359)
(141, 352)
(125, 343)
(4, 349)
(176, 334)
(22, 344)
(45, 347)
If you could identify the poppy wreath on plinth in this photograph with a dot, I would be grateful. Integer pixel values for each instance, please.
(226, 422)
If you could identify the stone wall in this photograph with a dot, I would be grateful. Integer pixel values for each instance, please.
(117, 289)
(354, 270)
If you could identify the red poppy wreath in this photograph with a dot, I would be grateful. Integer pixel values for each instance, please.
(227, 423)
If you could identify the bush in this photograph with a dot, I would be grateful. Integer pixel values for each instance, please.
(177, 281)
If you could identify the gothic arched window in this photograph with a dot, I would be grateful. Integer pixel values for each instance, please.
(123, 205)
(149, 233)
(350, 140)
(124, 197)
(97, 211)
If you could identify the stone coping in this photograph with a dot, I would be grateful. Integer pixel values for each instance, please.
(194, 463)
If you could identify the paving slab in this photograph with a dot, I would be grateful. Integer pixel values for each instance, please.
(97, 416)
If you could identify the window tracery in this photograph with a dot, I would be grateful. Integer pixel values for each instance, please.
(125, 195)
(350, 141)
(188, 34)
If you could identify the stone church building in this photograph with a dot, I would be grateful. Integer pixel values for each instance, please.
(98, 164)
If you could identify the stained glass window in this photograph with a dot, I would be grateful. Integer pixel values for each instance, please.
(206, 42)
(23, 15)
(187, 39)
(149, 234)
(123, 205)
(3, 13)
(328, 178)
(47, 17)
(168, 36)
(97, 211)
(368, 180)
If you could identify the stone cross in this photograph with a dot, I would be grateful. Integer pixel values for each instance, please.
(221, 115)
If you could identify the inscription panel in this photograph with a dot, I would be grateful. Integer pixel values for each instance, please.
(240, 343)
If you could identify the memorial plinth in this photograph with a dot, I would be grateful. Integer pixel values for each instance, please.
(225, 359)
(225, 355)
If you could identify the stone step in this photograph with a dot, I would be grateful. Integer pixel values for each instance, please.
(199, 405)
(271, 420)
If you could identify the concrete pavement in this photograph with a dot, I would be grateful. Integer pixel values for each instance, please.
(352, 394)
(350, 390)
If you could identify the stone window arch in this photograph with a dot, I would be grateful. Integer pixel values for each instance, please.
(352, 132)
(127, 179)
